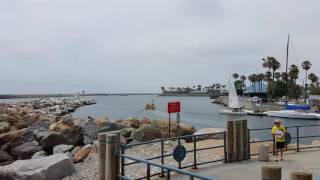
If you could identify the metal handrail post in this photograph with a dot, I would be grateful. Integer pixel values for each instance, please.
(249, 148)
(225, 146)
(162, 158)
(194, 138)
(148, 171)
(123, 149)
(298, 146)
(179, 163)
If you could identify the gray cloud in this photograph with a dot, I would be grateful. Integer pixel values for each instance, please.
(138, 46)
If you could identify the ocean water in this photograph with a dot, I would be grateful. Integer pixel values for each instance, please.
(198, 111)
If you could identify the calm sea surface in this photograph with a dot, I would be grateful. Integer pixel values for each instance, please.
(198, 111)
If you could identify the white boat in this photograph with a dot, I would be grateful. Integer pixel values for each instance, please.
(293, 114)
(234, 106)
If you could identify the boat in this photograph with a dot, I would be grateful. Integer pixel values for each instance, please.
(150, 106)
(234, 106)
(293, 114)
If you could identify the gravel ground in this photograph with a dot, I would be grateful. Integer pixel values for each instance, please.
(89, 168)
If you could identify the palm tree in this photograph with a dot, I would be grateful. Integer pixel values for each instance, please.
(266, 63)
(260, 79)
(277, 75)
(275, 66)
(243, 79)
(270, 63)
(313, 78)
(306, 65)
(254, 80)
(283, 76)
(293, 73)
(235, 76)
(251, 79)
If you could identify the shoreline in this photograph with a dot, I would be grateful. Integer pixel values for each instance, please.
(23, 96)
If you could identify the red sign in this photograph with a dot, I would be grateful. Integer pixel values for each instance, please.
(173, 107)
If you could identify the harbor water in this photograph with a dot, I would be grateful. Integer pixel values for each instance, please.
(198, 111)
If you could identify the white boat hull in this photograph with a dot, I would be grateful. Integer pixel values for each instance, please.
(230, 112)
(292, 114)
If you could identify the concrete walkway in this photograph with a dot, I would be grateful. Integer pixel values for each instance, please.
(251, 170)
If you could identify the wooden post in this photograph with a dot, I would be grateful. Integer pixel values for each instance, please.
(102, 155)
(244, 140)
(237, 140)
(271, 172)
(112, 161)
(300, 175)
(118, 146)
(230, 141)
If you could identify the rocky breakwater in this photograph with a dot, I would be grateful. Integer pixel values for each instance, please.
(147, 130)
(31, 130)
(60, 106)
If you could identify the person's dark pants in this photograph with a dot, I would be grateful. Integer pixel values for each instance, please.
(280, 145)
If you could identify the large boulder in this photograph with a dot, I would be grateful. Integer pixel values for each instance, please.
(146, 133)
(26, 150)
(62, 148)
(4, 127)
(181, 130)
(11, 137)
(130, 122)
(33, 131)
(53, 167)
(82, 153)
(70, 136)
(62, 124)
(101, 121)
(4, 156)
(90, 131)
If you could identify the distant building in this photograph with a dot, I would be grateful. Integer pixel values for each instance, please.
(257, 89)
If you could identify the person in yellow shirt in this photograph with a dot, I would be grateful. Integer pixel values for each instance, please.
(278, 131)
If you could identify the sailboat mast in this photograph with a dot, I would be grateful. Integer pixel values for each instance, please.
(287, 69)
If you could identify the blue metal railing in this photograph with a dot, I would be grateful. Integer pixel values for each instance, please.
(167, 169)
(191, 138)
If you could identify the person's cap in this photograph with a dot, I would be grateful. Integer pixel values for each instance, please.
(277, 121)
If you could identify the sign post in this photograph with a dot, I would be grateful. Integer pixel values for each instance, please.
(173, 107)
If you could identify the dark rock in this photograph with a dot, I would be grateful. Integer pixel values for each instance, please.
(26, 150)
(72, 136)
(4, 156)
(32, 132)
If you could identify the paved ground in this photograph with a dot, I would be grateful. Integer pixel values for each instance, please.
(250, 170)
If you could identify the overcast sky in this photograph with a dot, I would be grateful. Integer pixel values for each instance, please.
(52, 46)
